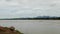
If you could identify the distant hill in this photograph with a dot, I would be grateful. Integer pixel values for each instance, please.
(46, 17)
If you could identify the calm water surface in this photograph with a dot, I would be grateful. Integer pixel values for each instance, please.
(34, 26)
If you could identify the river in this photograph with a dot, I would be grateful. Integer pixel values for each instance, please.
(34, 26)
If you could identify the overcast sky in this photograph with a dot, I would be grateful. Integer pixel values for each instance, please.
(29, 8)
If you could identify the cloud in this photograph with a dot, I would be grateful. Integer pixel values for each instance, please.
(8, 3)
(29, 8)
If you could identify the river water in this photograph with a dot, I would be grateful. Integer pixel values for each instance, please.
(34, 26)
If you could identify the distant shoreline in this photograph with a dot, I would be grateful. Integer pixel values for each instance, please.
(32, 19)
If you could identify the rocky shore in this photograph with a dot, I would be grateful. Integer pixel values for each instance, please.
(9, 30)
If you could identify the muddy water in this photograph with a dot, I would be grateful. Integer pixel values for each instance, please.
(34, 26)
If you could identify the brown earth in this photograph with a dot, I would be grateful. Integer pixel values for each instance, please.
(9, 30)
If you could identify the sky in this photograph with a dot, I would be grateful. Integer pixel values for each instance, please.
(29, 8)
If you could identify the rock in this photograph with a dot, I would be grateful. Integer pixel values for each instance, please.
(10, 30)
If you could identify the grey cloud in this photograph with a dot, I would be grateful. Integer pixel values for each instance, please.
(29, 8)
